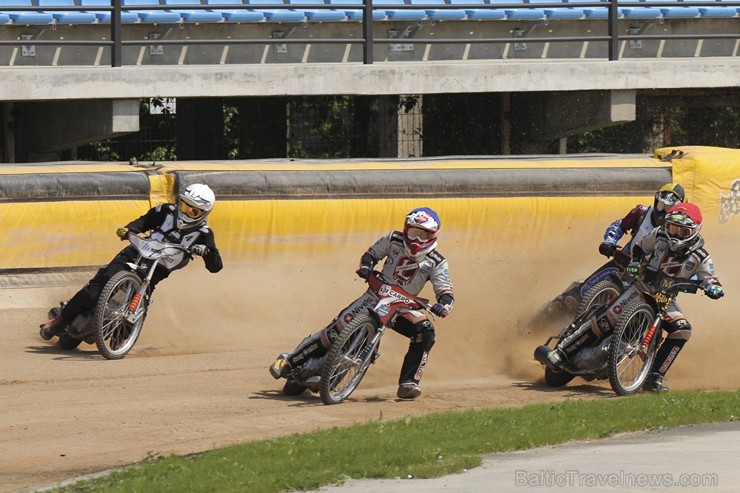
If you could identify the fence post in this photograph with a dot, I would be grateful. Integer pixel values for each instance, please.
(367, 32)
(115, 34)
(613, 22)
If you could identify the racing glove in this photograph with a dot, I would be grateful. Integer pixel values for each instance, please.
(607, 249)
(633, 268)
(364, 272)
(714, 291)
(440, 310)
(122, 233)
(199, 250)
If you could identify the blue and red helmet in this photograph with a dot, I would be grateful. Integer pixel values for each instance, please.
(420, 231)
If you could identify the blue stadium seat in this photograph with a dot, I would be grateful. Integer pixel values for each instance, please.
(356, 14)
(398, 15)
(592, 12)
(23, 16)
(480, 14)
(4, 19)
(562, 13)
(104, 16)
(154, 16)
(674, 12)
(277, 15)
(67, 16)
(235, 15)
(320, 15)
(520, 14)
(439, 14)
(189, 15)
(633, 10)
(720, 11)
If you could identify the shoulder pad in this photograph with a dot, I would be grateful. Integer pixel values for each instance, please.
(396, 236)
(701, 254)
(436, 256)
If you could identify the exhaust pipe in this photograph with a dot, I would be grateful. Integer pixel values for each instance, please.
(541, 353)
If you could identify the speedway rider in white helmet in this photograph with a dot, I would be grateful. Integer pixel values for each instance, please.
(411, 260)
(184, 223)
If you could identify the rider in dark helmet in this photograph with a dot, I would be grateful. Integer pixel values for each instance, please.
(675, 249)
(411, 260)
(638, 222)
(184, 223)
(641, 220)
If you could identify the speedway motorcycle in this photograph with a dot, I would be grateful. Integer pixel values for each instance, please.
(114, 325)
(339, 372)
(618, 339)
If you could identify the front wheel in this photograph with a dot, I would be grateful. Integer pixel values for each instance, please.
(115, 336)
(348, 360)
(629, 363)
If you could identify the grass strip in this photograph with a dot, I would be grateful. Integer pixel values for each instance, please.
(429, 446)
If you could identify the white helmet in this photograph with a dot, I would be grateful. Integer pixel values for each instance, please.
(194, 205)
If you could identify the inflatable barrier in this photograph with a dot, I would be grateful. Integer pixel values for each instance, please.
(64, 215)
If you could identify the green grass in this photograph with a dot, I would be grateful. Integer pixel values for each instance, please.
(427, 446)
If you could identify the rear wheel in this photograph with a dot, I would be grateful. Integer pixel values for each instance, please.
(600, 293)
(115, 335)
(348, 360)
(629, 363)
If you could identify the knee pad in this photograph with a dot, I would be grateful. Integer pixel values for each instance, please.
(424, 335)
(678, 329)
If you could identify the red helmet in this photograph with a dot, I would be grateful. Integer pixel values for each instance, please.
(420, 231)
(682, 225)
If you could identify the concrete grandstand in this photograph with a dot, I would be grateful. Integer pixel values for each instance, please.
(72, 72)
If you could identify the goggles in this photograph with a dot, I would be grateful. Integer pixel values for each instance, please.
(414, 233)
(190, 211)
(678, 231)
(669, 199)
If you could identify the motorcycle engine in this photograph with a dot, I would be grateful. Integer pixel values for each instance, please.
(592, 358)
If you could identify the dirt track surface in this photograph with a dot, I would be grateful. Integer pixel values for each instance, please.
(198, 377)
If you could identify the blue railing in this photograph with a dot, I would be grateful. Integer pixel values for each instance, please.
(121, 12)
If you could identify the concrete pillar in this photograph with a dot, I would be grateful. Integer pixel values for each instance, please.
(46, 128)
(539, 119)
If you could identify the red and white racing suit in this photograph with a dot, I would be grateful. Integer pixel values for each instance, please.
(402, 270)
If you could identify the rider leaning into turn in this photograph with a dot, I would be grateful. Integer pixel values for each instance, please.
(183, 223)
(638, 222)
(675, 249)
(642, 219)
(410, 261)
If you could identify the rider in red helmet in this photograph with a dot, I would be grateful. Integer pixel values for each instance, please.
(638, 222)
(411, 260)
(675, 249)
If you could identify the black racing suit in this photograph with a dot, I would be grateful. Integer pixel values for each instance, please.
(161, 222)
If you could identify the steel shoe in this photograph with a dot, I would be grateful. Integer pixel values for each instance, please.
(654, 383)
(408, 390)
